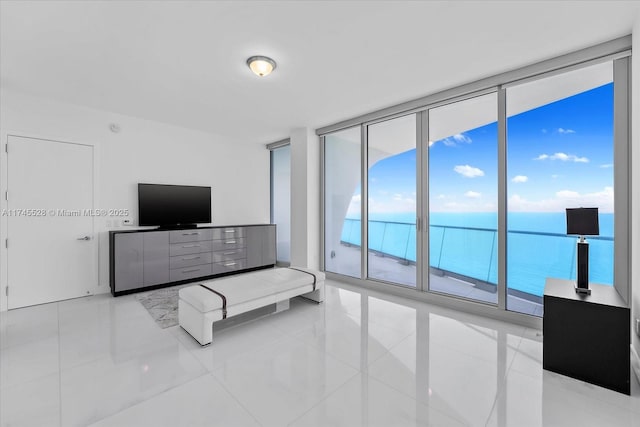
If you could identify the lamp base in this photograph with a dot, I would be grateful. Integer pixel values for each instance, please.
(582, 264)
(579, 290)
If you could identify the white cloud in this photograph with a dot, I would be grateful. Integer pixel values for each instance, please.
(567, 194)
(441, 196)
(389, 203)
(562, 157)
(453, 140)
(554, 176)
(446, 141)
(449, 142)
(399, 205)
(565, 131)
(544, 131)
(468, 171)
(564, 199)
(471, 202)
(460, 137)
(455, 206)
(354, 205)
(607, 166)
(520, 178)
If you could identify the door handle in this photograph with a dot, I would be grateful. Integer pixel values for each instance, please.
(84, 238)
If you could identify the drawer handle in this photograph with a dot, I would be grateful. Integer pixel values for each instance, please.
(229, 231)
(230, 242)
(193, 270)
(191, 234)
(229, 253)
(190, 258)
(191, 246)
(230, 264)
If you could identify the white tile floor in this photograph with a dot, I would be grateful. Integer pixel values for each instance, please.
(361, 358)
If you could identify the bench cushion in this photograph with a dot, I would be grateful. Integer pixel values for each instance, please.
(247, 287)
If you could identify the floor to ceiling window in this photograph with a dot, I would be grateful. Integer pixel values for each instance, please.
(391, 155)
(343, 202)
(281, 200)
(490, 170)
(560, 155)
(463, 198)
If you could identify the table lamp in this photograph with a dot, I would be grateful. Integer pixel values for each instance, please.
(583, 222)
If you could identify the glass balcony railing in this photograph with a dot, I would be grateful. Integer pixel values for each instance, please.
(472, 253)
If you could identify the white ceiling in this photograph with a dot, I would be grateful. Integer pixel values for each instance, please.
(183, 62)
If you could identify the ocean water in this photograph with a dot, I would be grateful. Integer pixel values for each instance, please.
(466, 243)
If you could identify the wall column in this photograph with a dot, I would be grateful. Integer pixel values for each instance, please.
(635, 193)
(305, 198)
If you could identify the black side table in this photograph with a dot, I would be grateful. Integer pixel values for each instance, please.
(587, 337)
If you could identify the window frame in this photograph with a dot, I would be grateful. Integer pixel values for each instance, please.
(273, 147)
(618, 51)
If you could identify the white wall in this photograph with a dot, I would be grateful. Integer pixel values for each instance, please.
(147, 151)
(635, 189)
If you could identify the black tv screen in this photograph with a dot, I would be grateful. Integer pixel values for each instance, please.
(583, 221)
(173, 205)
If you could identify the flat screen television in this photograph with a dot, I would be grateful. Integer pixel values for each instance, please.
(173, 205)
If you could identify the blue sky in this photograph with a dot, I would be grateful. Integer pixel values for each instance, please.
(559, 155)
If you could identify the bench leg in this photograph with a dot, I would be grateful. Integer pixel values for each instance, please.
(197, 324)
(282, 305)
(317, 295)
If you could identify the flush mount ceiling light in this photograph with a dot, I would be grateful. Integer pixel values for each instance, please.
(261, 65)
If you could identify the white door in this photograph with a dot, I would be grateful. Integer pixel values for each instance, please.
(51, 251)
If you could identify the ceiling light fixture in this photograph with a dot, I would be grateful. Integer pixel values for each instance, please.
(261, 65)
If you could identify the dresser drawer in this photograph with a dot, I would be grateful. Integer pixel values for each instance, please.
(194, 235)
(189, 260)
(227, 232)
(190, 272)
(186, 248)
(227, 266)
(228, 244)
(229, 255)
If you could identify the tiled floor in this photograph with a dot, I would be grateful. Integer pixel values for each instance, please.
(360, 358)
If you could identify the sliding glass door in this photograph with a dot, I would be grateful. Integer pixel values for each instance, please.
(281, 200)
(391, 184)
(463, 198)
(560, 155)
(343, 202)
(467, 197)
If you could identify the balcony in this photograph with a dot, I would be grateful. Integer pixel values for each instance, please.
(463, 260)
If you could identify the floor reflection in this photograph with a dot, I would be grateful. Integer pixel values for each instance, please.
(360, 358)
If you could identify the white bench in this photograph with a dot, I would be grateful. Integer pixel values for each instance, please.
(201, 305)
